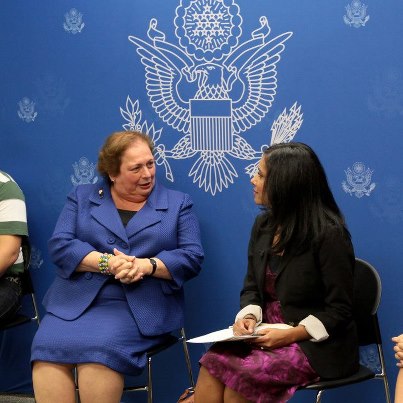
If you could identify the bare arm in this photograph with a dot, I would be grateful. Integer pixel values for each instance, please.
(271, 338)
(146, 267)
(399, 387)
(126, 268)
(276, 338)
(9, 251)
(142, 266)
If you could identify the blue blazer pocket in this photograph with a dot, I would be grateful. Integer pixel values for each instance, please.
(69, 298)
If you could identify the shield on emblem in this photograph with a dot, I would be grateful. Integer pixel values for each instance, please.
(211, 125)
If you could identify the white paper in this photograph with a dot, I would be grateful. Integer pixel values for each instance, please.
(227, 334)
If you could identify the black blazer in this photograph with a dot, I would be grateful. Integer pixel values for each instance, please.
(317, 282)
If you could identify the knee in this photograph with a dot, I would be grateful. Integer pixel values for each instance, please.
(46, 368)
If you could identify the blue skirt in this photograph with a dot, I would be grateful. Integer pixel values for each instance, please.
(106, 333)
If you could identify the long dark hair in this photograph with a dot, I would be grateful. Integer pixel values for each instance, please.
(300, 204)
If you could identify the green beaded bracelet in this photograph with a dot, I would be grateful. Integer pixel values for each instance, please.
(103, 263)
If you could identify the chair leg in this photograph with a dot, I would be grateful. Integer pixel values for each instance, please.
(36, 310)
(187, 358)
(386, 386)
(383, 373)
(76, 383)
(150, 383)
(319, 396)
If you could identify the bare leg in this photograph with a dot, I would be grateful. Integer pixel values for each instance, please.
(53, 382)
(208, 389)
(99, 384)
(230, 396)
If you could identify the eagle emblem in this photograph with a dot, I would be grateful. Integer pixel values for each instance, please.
(73, 22)
(210, 87)
(26, 111)
(358, 180)
(84, 172)
(356, 14)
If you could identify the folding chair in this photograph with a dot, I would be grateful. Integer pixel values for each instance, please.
(173, 339)
(367, 296)
(20, 318)
(27, 290)
(148, 386)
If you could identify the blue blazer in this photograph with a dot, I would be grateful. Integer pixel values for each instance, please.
(166, 227)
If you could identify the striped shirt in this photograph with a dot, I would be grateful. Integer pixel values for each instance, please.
(13, 215)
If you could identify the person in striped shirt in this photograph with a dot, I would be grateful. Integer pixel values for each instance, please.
(13, 234)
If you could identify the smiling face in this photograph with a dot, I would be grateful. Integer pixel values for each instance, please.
(136, 178)
(258, 182)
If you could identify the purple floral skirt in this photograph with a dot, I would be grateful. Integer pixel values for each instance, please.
(262, 376)
(259, 375)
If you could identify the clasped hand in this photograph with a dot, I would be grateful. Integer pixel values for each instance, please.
(398, 349)
(125, 268)
(269, 339)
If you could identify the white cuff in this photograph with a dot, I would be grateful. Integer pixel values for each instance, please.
(254, 310)
(315, 328)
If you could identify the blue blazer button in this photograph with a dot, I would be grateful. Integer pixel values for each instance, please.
(88, 275)
(111, 241)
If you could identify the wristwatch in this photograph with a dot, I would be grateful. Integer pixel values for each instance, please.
(154, 264)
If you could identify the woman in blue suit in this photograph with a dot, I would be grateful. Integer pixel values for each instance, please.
(123, 250)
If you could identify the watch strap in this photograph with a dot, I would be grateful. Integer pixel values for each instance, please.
(154, 264)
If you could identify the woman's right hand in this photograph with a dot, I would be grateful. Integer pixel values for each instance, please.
(244, 326)
(120, 262)
(124, 267)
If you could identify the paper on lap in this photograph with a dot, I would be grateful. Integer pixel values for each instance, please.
(227, 335)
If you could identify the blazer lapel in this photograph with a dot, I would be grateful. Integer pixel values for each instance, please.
(149, 214)
(263, 256)
(262, 250)
(283, 264)
(105, 212)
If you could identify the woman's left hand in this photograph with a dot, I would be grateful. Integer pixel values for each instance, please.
(276, 338)
(131, 274)
(128, 276)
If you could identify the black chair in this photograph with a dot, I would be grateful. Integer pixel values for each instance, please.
(27, 291)
(21, 317)
(172, 340)
(367, 296)
(148, 385)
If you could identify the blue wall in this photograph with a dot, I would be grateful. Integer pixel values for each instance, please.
(69, 76)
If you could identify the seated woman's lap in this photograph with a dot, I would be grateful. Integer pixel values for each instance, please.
(106, 333)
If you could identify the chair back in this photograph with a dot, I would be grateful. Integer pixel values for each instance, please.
(367, 296)
(26, 251)
(27, 289)
(26, 283)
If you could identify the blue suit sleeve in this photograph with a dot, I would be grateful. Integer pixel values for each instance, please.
(65, 249)
(185, 261)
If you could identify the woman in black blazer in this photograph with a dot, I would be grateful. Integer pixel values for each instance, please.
(300, 273)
